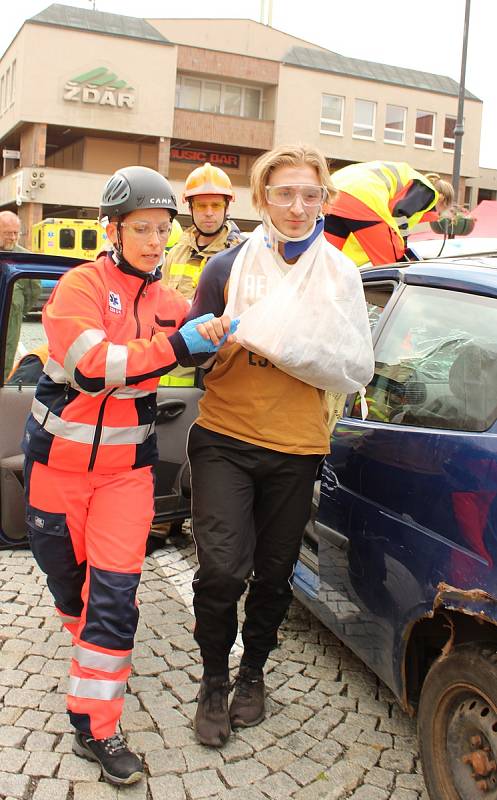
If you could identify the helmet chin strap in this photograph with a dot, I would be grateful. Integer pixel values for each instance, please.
(293, 246)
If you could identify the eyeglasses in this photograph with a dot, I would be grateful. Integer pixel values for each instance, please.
(144, 230)
(285, 196)
(202, 205)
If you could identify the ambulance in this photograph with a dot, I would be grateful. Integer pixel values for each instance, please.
(79, 238)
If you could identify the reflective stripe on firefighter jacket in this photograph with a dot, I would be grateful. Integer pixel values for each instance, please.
(111, 335)
(182, 270)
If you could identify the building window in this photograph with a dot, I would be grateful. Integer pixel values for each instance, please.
(425, 129)
(449, 142)
(13, 82)
(211, 97)
(331, 114)
(364, 119)
(218, 98)
(395, 124)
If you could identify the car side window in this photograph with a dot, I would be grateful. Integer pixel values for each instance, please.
(26, 342)
(377, 296)
(436, 362)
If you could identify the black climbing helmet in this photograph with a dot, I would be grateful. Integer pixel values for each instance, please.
(133, 188)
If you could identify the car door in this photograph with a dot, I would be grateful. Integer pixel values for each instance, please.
(407, 495)
(23, 279)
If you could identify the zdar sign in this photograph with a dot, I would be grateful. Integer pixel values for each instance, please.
(201, 156)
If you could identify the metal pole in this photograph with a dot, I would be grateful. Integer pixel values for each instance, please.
(459, 126)
(270, 13)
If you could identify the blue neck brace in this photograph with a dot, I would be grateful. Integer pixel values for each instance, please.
(294, 249)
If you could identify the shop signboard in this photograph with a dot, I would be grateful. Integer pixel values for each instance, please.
(101, 87)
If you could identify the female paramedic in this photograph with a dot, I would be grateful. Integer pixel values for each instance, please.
(254, 451)
(113, 329)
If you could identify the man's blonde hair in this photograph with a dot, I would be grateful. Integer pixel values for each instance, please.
(288, 156)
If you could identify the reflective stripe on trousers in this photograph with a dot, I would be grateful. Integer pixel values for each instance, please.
(103, 520)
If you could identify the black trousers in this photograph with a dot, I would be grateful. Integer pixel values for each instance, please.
(250, 506)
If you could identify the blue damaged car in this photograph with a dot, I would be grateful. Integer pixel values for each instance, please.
(398, 559)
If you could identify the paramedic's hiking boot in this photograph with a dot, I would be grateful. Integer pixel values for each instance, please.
(247, 705)
(212, 720)
(119, 765)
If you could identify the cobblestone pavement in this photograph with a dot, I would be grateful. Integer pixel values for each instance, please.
(332, 731)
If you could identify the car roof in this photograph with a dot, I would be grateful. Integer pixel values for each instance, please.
(476, 274)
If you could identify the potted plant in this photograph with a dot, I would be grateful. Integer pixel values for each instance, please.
(455, 221)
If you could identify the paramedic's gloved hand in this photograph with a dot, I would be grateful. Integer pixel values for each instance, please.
(206, 334)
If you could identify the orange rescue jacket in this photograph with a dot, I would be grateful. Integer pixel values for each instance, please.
(111, 335)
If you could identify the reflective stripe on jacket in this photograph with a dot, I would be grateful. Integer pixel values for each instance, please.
(111, 335)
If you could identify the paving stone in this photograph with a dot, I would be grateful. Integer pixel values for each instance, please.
(35, 720)
(397, 760)
(40, 741)
(178, 737)
(281, 725)
(382, 778)
(23, 698)
(275, 758)
(74, 768)
(167, 786)
(51, 789)
(370, 792)
(246, 793)
(278, 786)
(92, 790)
(144, 741)
(42, 764)
(137, 721)
(204, 783)
(13, 785)
(412, 781)
(12, 760)
(10, 715)
(11, 677)
(243, 773)
(304, 770)
(333, 784)
(199, 757)
(404, 794)
(58, 723)
(163, 763)
(11, 736)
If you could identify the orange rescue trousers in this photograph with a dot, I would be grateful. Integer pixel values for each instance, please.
(88, 534)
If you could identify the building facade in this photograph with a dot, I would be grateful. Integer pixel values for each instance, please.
(83, 93)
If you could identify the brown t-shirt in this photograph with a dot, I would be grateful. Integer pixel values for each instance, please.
(249, 398)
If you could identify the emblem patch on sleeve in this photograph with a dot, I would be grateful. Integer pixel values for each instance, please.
(115, 303)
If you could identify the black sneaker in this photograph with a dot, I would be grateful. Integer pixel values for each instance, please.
(119, 764)
(212, 720)
(247, 706)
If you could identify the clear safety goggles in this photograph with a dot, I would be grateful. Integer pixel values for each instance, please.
(310, 194)
(145, 230)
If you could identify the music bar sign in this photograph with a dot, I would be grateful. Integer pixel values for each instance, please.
(201, 156)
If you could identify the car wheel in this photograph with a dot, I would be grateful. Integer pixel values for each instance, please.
(457, 725)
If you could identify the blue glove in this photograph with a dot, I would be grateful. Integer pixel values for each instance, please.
(195, 342)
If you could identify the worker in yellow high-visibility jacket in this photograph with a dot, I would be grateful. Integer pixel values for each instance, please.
(378, 203)
(208, 192)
